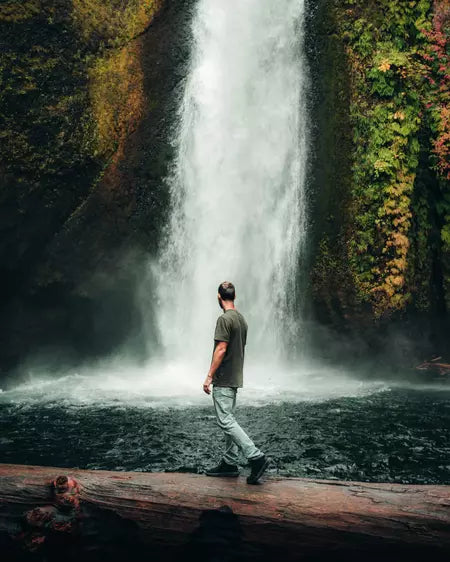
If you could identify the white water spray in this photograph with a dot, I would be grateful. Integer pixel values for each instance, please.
(238, 183)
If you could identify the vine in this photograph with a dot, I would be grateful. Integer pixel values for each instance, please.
(399, 86)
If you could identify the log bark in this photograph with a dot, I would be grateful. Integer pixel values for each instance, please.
(45, 512)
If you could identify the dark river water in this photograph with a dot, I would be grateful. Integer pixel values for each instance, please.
(395, 435)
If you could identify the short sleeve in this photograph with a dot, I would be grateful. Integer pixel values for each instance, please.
(223, 330)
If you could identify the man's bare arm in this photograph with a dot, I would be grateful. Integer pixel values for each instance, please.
(217, 358)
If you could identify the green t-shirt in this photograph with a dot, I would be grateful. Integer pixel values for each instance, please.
(232, 328)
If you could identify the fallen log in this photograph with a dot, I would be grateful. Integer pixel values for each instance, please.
(435, 367)
(438, 368)
(53, 513)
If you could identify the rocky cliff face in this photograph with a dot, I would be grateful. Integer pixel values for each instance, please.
(88, 96)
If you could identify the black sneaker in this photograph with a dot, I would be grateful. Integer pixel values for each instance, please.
(223, 469)
(258, 467)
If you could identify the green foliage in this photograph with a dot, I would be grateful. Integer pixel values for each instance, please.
(394, 93)
(42, 100)
(15, 12)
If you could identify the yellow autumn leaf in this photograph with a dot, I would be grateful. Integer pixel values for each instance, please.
(384, 66)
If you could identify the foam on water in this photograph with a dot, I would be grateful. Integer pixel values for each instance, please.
(175, 385)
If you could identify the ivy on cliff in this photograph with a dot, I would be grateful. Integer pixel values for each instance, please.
(399, 88)
(436, 70)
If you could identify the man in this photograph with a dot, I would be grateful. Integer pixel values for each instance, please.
(226, 376)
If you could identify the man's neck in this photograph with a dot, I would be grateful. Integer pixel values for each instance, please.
(227, 306)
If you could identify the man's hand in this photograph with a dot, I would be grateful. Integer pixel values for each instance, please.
(207, 384)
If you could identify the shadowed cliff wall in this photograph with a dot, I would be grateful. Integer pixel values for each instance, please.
(89, 96)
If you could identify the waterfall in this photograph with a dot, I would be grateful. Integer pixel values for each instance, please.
(238, 209)
(238, 213)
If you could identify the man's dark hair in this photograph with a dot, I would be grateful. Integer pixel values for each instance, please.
(227, 291)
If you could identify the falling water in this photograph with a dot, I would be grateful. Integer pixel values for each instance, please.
(238, 183)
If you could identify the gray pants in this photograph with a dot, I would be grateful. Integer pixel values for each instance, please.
(224, 399)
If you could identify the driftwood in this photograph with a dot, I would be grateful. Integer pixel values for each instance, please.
(64, 514)
(436, 366)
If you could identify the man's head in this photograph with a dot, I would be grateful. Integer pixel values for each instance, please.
(226, 292)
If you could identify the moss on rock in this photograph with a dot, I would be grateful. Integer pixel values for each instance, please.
(113, 23)
(72, 94)
(116, 99)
